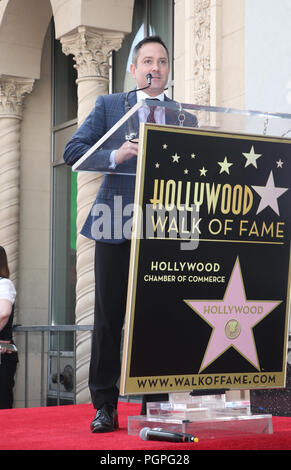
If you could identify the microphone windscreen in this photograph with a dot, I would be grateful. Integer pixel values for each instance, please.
(143, 433)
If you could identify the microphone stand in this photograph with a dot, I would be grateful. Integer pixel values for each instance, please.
(131, 132)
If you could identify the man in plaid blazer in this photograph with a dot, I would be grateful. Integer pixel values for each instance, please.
(112, 250)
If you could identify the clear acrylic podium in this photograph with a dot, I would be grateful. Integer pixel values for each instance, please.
(183, 115)
(205, 416)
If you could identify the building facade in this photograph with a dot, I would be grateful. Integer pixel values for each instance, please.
(56, 57)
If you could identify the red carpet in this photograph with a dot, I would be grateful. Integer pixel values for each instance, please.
(67, 428)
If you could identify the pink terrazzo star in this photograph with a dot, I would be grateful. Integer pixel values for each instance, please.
(232, 320)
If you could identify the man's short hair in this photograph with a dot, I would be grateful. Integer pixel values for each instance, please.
(147, 40)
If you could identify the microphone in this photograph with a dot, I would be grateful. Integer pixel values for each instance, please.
(159, 434)
(149, 79)
(132, 134)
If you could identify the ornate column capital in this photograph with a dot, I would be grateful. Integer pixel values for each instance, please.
(12, 93)
(91, 51)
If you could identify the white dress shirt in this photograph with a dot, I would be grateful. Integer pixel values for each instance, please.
(143, 113)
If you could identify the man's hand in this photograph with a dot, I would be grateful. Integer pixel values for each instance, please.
(126, 152)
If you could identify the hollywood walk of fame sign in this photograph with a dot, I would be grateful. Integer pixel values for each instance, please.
(208, 295)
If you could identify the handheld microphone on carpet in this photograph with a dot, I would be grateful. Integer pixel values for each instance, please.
(159, 434)
(131, 132)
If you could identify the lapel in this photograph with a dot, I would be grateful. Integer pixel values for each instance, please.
(171, 117)
(171, 114)
(134, 119)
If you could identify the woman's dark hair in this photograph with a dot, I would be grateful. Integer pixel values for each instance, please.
(147, 40)
(4, 270)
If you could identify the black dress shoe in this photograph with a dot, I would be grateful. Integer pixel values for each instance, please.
(106, 419)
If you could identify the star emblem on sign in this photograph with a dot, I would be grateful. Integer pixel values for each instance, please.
(175, 158)
(232, 320)
(252, 157)
(269, 195)
(203, 171)
(224, 166)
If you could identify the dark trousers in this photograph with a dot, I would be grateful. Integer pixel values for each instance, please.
(7, 372)
(111, 273)
(111, 279)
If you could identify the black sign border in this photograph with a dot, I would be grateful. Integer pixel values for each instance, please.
(129, 384)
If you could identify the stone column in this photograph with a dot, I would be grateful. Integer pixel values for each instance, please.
(197, 53)
(91, 50)
(12, 92)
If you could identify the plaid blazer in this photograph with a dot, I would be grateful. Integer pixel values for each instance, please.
(109, 217)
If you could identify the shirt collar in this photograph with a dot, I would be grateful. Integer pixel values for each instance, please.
(141, 95)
